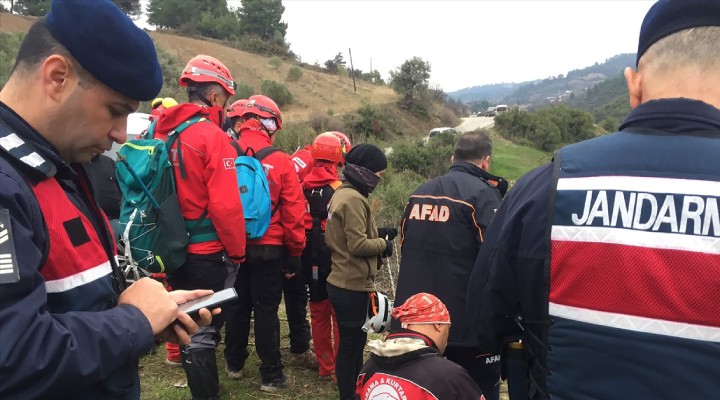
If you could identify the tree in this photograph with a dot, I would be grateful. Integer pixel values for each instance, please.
(411, 78)
(173, 14)
(35, 8)
(335, 64)
(131, 7)
(263, 18)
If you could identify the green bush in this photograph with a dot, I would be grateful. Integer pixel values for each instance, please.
(294, 136)
(9, 45)
(277, 91)
(244, 91)
(425, 159)
(294, 74)
(323, 123)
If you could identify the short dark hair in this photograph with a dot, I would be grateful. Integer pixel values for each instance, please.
(201, 90)
(473, 146)
(40, 44)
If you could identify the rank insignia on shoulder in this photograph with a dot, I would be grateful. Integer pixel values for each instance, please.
(9, 272)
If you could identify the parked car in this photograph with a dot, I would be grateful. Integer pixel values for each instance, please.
(437, 131)
(490, 112)
(137, 123)
(502, 108)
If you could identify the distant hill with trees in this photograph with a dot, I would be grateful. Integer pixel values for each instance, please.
(561, 88)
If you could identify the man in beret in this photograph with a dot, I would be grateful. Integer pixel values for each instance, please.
(409, 363)
(69, 326)
(605, 263)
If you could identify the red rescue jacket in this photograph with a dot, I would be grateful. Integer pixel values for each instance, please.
(303, 162)
(210, 182)
(286, 225)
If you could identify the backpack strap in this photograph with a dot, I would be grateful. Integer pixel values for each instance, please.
(201, 229)
(260, 155)
(175, 135)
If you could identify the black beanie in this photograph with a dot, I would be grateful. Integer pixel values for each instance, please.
(670, 16)
(368, 156)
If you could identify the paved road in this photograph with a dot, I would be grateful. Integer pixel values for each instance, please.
(473, 123)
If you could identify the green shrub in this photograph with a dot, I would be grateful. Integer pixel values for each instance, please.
(9, 45)
(277, 91)
(294, 136)
(323, 123)
(244, 91)
(425, 159)
(274, 62)
(294, 74)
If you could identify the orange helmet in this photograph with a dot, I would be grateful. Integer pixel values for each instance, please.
(327, 146)
(206, 69)
(263, 107)
(236, 108)
(345, 142)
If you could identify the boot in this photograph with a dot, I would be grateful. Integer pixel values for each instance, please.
(202, 374)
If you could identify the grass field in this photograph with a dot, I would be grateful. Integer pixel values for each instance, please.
(511, 161)
(158, 380)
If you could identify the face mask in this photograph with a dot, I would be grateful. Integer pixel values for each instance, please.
(269, 124)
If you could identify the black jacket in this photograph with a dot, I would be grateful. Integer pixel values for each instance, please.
(409, 364)
(442, 229)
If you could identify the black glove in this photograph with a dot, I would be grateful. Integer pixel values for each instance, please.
(387, 233)
(292, 265)
(388, 249)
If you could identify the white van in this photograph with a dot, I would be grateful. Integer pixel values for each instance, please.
(137, 123)
(499, 109)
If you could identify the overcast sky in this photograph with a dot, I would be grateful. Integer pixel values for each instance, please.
(467, 43)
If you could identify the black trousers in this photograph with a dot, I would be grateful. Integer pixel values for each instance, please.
(203, 271)
(259, 286)
(483, 368)
(316, 278)
(350, 310)
(296, 298)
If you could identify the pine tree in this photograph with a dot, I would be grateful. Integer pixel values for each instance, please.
(263, 18)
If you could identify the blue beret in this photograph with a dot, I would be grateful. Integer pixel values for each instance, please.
(670, 16)
(108, 44)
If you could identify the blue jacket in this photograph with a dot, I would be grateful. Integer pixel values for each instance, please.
(442, 230)
(57, 343)
(627, 301)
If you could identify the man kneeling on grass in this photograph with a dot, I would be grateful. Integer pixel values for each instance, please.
(409, 363)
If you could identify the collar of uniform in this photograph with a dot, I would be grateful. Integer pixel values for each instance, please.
(30, 149)
(407, 333)
(674, 116)
(472, 169)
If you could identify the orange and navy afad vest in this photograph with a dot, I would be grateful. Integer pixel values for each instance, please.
(78, 271)
(634, 270)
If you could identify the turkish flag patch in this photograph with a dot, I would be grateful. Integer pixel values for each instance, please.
(229, 163)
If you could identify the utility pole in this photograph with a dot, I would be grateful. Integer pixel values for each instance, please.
(352, 70)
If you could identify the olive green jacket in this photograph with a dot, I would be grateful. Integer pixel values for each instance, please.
(352, 237)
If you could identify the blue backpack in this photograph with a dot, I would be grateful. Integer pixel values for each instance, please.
(155, 233)
(254, 190)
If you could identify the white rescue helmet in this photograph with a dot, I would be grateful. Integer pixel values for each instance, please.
(378, 313)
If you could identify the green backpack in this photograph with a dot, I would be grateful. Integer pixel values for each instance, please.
(152, 227)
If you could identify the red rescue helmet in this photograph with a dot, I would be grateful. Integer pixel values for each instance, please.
(345, 142)
(207, 69)
(328, 147)
(236, 108)
(263, 107)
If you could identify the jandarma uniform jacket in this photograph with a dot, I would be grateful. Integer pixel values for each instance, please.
(612, 265)
(56, 261)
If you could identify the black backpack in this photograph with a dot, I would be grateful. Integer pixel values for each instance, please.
(318, 200)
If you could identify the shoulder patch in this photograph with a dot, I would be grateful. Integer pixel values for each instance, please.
(9, 272)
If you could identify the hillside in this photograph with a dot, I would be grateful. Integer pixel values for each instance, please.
(608, 99)
(314, 93)
(552, 89)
